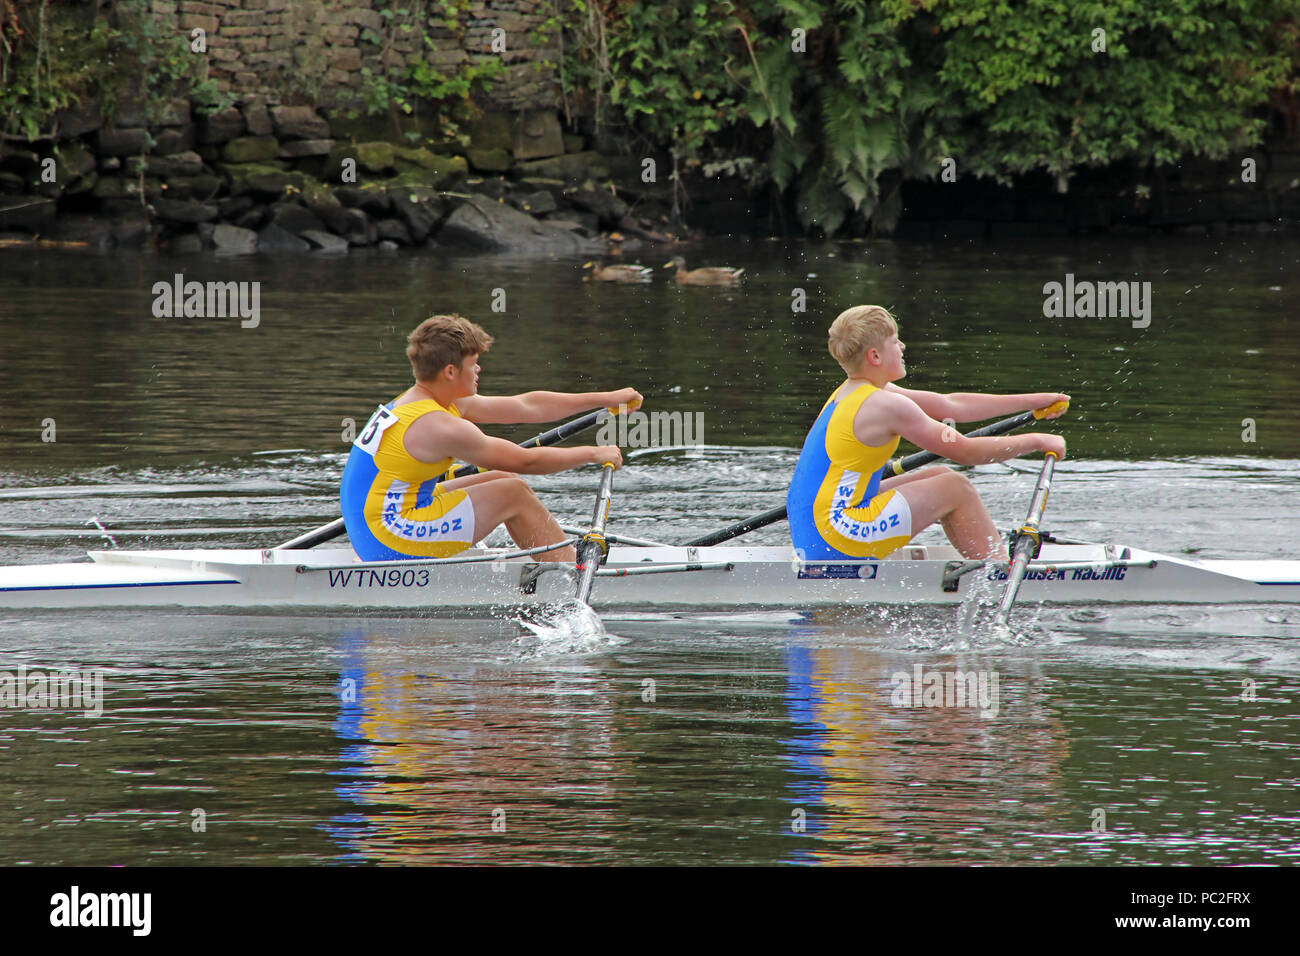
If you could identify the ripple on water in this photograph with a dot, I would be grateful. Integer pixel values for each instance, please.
(387, 739)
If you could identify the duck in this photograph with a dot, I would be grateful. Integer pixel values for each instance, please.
(619, 273)
(709, 275)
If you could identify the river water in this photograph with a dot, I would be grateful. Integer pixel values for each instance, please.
(1117, 735)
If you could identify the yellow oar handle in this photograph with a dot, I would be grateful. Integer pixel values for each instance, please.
(1054, 408)
(617, 409)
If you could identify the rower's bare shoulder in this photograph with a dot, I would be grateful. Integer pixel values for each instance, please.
(432, 437)
(876, 421)
(884, 405)
(434, 423)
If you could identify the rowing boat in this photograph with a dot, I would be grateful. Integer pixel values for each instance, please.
(302, 575)
(334, 579)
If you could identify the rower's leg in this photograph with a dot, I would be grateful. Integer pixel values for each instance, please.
(470, 480)
(941, 494)
(512, 502)
(919, 475)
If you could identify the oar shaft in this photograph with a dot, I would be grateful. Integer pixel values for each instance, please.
(320, 535)
(561, 432)
(898, 466)
(736, 530)
(591, 546)
(1027, 540)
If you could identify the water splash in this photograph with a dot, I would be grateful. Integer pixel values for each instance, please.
(564, 627)
(975, 626)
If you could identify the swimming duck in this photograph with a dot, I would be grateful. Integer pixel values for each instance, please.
(619, 273)
(709, 275)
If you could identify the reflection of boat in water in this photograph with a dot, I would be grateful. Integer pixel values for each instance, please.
(880, 774)
(474, 766)
(571, 763)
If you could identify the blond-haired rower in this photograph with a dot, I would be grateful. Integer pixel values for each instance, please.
(840, 505)
(393, 506)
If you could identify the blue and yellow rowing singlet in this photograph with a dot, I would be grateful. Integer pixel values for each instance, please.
(836, 509)
(391, 503)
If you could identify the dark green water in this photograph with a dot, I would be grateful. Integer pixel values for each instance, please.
(770, 738)
(81, 344)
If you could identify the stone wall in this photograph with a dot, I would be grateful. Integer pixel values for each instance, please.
(315, 50)
(290, 167)
(262, 178)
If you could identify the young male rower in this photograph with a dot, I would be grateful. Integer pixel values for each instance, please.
(838, 506)
(393, 506)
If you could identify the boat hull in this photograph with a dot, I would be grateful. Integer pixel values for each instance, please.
(335, 580)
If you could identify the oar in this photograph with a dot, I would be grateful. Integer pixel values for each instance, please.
(895, 466)
(555, 435)
(1028, 541)
(592, 547)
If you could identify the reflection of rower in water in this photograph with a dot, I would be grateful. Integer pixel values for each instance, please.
(445, 757)
(838, 506)
(881, 782)
(392, 505)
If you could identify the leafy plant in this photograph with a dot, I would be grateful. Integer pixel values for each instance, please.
(51, 57)
(848, 111)
(845, 100)
(419, 82)
(1058, 86)
(655, 76)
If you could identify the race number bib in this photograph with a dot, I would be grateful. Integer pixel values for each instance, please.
(368, 440)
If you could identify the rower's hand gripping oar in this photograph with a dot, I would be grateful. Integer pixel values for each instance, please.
(554, 436)
(593, 549)
(1027, 541)
(895, 466)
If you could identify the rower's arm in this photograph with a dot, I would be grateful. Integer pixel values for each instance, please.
(975, 406)
(909, 420)
(434, 437)
(532, 407)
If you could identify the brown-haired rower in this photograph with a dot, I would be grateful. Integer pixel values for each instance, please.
(394, 507)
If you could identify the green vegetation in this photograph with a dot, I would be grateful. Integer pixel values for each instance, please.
(160, 62)
(50, 57)
(399, 93)
(659, 71)
(833, 102)
(55, 56)
(1038, 91)
(840, 101)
